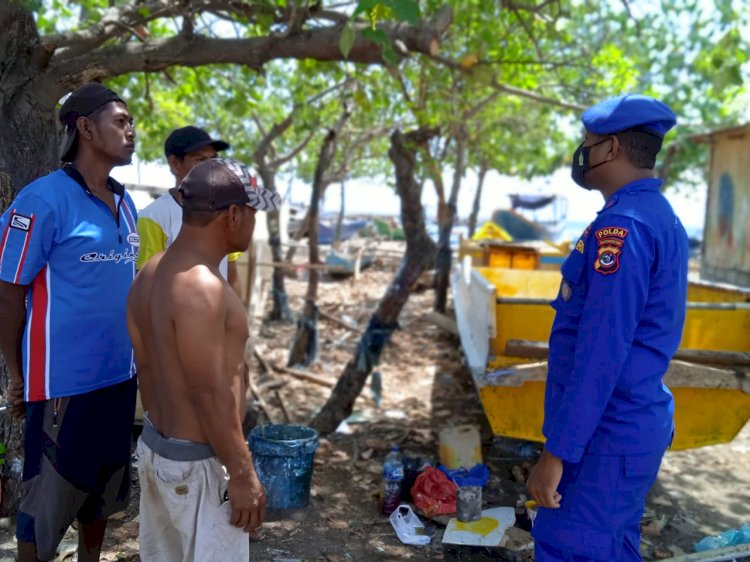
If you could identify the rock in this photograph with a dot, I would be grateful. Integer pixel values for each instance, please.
(338, 524)
(661, 500)
(662, 553)
(367, 454)
(517, 540)
(518, 474)
(676, 550)
(654, 527)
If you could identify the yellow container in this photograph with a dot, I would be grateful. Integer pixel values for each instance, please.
(460, 447)
(512, 256)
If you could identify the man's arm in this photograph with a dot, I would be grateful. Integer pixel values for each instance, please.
(13, 305)
(201, 350)
(26, 236)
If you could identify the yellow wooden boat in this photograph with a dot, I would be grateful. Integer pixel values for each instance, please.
(498, 305)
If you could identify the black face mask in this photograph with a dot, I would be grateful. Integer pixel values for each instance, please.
(581, 164)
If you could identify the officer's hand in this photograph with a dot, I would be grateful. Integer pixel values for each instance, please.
(544, 480)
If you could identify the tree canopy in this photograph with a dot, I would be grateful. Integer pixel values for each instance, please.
(236, 67)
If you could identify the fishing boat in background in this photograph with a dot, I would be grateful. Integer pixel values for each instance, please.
(506, 278)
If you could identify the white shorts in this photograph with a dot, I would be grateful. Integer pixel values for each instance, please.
(183, 514)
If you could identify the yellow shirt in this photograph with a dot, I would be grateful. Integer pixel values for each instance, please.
(158, 226)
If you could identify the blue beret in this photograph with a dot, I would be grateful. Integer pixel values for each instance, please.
(631, 111)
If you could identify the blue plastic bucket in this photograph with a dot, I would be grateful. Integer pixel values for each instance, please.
(283, 458)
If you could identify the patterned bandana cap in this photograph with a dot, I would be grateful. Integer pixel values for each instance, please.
(217, 183)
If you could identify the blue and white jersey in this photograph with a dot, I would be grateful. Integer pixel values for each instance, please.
(79, 261)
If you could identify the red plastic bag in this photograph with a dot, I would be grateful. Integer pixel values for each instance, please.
(433, 493)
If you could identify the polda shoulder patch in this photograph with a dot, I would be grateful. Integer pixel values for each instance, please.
(610, 241)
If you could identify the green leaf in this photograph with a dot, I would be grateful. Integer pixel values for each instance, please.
(348, 35)
(376, 36)
(405, 10)
(389, 55)
(364, 6)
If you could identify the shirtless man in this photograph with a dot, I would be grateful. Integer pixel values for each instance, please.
(199, 490)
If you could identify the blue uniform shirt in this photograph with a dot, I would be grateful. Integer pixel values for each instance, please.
(620, 314)
(79, 260)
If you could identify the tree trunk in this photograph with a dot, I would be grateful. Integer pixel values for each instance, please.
(280, 310)
(477, 201)
(444, 258)
(305, 344)
(385, 319)
(304, 229)
(28, 149)
(340, 219)
(436, 175)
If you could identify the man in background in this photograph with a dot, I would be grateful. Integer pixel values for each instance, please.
(159, 223)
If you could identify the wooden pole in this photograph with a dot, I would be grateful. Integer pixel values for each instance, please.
(304, 376)
(339, 322)
(540, 350)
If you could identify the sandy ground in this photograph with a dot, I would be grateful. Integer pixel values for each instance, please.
(425, 388)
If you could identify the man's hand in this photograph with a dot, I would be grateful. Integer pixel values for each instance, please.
(248, 501)
(15, 397)
(544, 480)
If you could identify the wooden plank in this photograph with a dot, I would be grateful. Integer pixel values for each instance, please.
(331, 318)
(261, 403)
(262, 361)
(304, 376)
(540, 350)
(287, 265)
(724, 306)
(710, 357)
(283, 407)
(527, 348)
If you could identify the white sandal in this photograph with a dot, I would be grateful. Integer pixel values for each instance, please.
(409, 527)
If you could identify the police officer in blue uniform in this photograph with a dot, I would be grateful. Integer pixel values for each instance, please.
(619, 318)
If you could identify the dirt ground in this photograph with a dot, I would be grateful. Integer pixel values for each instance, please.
(425, 388)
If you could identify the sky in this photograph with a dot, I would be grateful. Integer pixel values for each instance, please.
(365, 197)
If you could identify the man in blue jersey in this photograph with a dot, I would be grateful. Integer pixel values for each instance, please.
(620, 313)
(68, 250)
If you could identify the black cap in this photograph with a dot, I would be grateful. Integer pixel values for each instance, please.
(81, 103)
(217, 183)
(187, 139)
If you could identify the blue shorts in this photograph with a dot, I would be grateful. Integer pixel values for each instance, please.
(603, 498)
(76, 462)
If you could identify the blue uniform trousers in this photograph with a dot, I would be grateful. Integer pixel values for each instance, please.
(603, 499)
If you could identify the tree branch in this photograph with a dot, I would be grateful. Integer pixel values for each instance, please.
(472, 111)
(509, 89)
(114, 22)
(278, 129)
(157, 54)
(280, 161)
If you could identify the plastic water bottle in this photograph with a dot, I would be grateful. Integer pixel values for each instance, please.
(393, 478)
